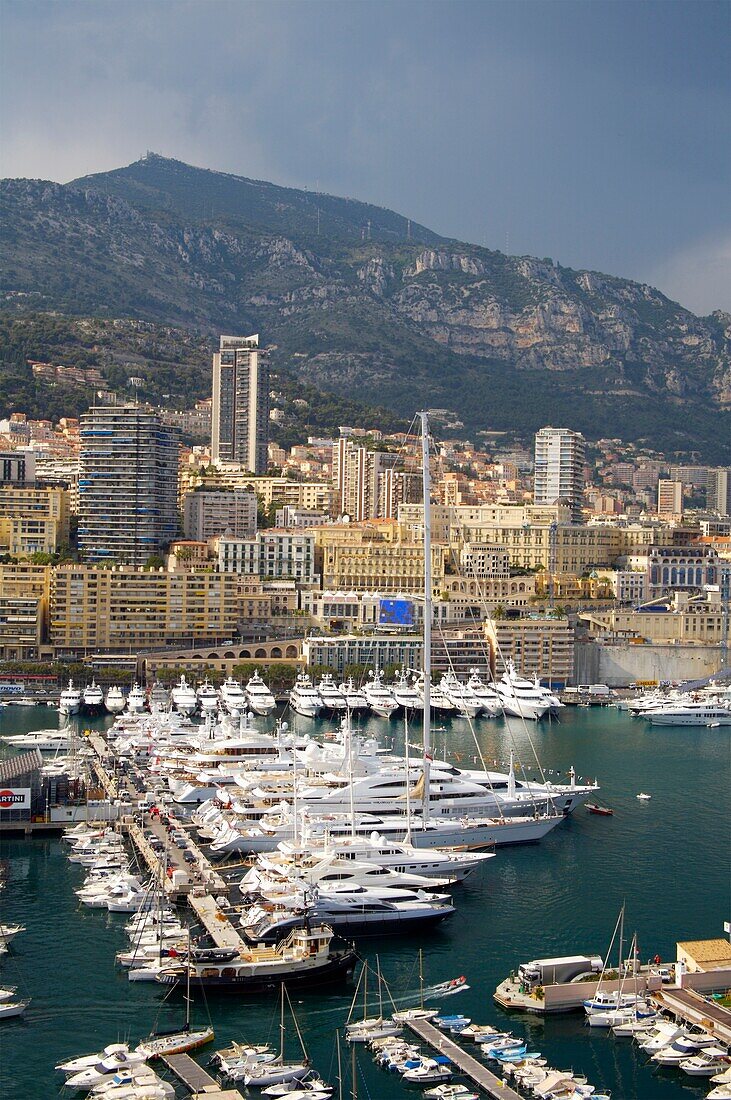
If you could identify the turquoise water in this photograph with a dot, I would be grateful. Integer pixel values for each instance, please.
(667, 858)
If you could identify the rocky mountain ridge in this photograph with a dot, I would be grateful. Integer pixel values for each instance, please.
(364, 302)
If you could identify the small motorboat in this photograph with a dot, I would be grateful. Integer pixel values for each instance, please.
(596, 808)
(644, 797)
(12, 1008)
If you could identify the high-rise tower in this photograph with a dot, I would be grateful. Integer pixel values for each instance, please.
(240, 414)
(559, 473)
(128, 484)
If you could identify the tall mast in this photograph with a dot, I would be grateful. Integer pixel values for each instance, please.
(427, 610)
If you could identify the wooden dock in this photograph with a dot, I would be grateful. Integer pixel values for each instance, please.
(479, 1075)
(196, 1080)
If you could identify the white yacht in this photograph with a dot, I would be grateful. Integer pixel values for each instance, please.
(405, 694)
(207, 696)
(70, 700)
(489, 700)
(355, 699)
(136, 700)
(258, 695)
(519, 696)
(159, 697)
(333, 699)
(379, 697)
(462, 697)
(114, 700)
(439, 701)
(44, 740)
(184, 697)
(693, 712)
(233, 696)
(93, 699)
(304, 698)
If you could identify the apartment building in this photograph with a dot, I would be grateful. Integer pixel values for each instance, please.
(559, 468)
(33, 520)
(274, 553)
(122, 608)
(538, 646)
(128, 475)
(208, 513)
(240, 405)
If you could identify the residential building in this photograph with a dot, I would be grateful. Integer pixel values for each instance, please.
(718, 490)
(669, 497)
(21, 627)
(481, 560)
(33, 520)
(288, 516)
(17, 468)
(128, 477)
(559, 468)
(240, 409)
(538, 646)
(376, 565)
(96, 608)
(275, 553)
(208, 513)
(364, 480)
(679, 619)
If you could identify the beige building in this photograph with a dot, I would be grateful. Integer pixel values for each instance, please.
(308, 495)
(669, 497)
(538, 646)
(378, 565)
(21, 627)
(686, 619)
(33, 520)
(95, 608)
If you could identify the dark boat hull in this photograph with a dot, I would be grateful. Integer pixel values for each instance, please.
(333, 972)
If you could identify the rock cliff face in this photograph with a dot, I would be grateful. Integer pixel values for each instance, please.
(369, 303)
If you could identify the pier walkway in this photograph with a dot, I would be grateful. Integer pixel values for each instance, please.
(470, 1067)
(196, 1080)
(216, 923)
(695, 1009)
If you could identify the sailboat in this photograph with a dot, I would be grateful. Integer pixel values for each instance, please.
(263, 1074)
(162, 1043)
(368, 1027)
(605, 1001)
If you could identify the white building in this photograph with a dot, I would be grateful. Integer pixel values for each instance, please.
(559, 468)
(274, 553)
(240, 408)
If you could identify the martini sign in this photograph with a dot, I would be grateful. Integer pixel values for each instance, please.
(14, 798)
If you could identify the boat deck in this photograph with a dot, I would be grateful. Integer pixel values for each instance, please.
(479, 1074)
(196, 1080)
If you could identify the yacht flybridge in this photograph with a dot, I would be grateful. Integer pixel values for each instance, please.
(379, 697)
(184, 697)
(259, 697)
(304, 698)
(232, 695)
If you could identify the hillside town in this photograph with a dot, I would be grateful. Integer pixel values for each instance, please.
(158, 540)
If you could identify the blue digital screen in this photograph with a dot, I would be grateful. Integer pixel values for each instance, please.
(396, 613)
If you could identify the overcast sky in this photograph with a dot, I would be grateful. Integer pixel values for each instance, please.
(594, 132)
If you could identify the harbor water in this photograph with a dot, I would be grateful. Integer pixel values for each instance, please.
(666, 858)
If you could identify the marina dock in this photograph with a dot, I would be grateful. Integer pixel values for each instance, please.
(216, 923)
(479, 1074)
(196, 1080)
(694, 1009)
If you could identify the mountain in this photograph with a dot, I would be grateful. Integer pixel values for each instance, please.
(358, 300)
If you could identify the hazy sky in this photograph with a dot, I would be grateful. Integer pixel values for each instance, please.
(598, 133)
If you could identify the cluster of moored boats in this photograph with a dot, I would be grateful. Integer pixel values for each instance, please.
(504, 1052)
(708, 706)
(11, 1004)
(663, 1040)
(512, 695)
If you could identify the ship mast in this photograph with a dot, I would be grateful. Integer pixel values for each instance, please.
(427, 612)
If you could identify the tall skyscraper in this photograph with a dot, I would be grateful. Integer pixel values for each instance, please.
(240, 413)
(128, 484)
(559, 471)
(718, 490)
(669, 497)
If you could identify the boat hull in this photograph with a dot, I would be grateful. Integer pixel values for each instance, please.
(332, 972)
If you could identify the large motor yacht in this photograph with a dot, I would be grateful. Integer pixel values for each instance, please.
(304, 698)
(333, 699)
(379, 697)
(136, 700)
(463, 698)
(520, 697)
(258, 696)
(184, 697)
(93, 699)
(70, 701)
(233, 696)
(207, 696)
(114, 700)
(405, 694)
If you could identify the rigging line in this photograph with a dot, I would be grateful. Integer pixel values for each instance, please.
(482, 597)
